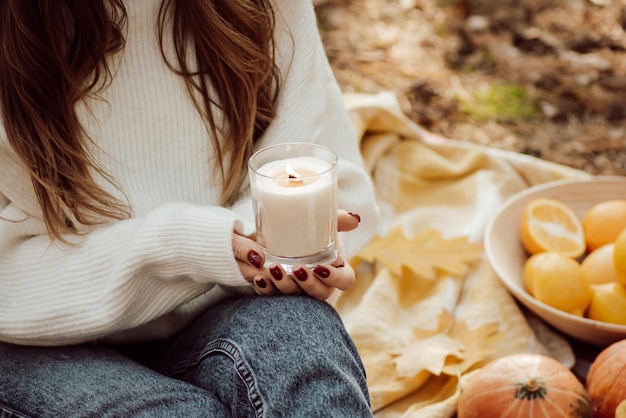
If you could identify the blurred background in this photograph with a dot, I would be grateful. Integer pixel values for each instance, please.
(541, 77)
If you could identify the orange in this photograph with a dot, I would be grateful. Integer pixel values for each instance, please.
(599, 267)
(608, 303)
(603, 222)
(619, 256)
(550, 225)
(557, 280)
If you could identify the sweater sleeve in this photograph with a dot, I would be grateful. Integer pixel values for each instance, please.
(115, 277)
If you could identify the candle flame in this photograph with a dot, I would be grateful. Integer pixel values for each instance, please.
(293, 174)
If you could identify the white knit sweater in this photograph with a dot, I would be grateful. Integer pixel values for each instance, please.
(147, 276)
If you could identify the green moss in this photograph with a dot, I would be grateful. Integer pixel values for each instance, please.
(497, 101)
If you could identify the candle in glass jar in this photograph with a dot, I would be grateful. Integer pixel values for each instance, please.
(296, 200)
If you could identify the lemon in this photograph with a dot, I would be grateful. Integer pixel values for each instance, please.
(557, 280)
(608, 303)
(550, 225)
(598, 266)
(603, 222)
(619, 256)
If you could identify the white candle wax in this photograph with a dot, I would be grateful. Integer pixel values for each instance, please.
(296, 201)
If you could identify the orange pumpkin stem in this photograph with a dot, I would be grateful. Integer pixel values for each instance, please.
(533, 388)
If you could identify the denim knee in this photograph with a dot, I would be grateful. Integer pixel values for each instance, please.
(289, 354)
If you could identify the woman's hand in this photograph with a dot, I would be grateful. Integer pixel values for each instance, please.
(249, 256)
(318, 282)
(347, 221)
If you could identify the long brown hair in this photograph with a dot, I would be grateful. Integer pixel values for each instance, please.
(54, 54)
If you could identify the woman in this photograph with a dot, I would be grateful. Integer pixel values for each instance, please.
(130, 281)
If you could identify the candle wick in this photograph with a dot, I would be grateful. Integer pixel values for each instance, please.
(293, 174)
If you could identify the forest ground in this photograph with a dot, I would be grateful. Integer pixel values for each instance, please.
(541, 77)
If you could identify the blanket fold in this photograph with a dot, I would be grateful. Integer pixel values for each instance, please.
(419, 337)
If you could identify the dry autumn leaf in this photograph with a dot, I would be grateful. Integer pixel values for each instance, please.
(479, 343)
(429, 354)
(450, 349)
(426, 254)
(429, 350)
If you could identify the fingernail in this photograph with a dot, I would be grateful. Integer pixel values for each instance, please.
(260, 283)
(355, 216)
(277, 274)
(322, 271)
(300, 274)
(255, 259)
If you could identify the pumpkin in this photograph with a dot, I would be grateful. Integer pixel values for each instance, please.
(523, 385)
(606, 380)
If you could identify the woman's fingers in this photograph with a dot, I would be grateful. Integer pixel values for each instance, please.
(249, 256)
(250, 261)
(247, 250)
(264, 286)
(301, 281)
(339, 275)
(311, 284)
(318, 282)
(284, 282)
(347, 221)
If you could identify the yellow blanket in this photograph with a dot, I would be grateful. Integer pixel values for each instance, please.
(421, 337)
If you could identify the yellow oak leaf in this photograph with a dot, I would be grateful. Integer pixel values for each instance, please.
(429, 354)
(429, 350)
(426, 254)
(451, 349)
(479, 343)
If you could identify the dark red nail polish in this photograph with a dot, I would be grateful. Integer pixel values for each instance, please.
(255, 259)
(355, 216)
(300, 274)
(322, 271)
(277, 273)
(260, 283)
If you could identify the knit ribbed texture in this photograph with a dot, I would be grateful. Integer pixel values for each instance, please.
(148, 275)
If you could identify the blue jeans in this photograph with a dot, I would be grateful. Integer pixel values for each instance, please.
(279, 356)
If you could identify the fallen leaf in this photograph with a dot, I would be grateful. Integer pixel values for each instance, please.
(426, 254)
(452, 348)
(479, 344)
(428, 354)
(429, 350)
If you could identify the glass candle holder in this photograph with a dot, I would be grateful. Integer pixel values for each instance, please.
(294, 195)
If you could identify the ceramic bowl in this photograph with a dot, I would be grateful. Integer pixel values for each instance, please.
(507, 256)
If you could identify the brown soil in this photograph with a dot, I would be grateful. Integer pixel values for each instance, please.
(541, 77)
